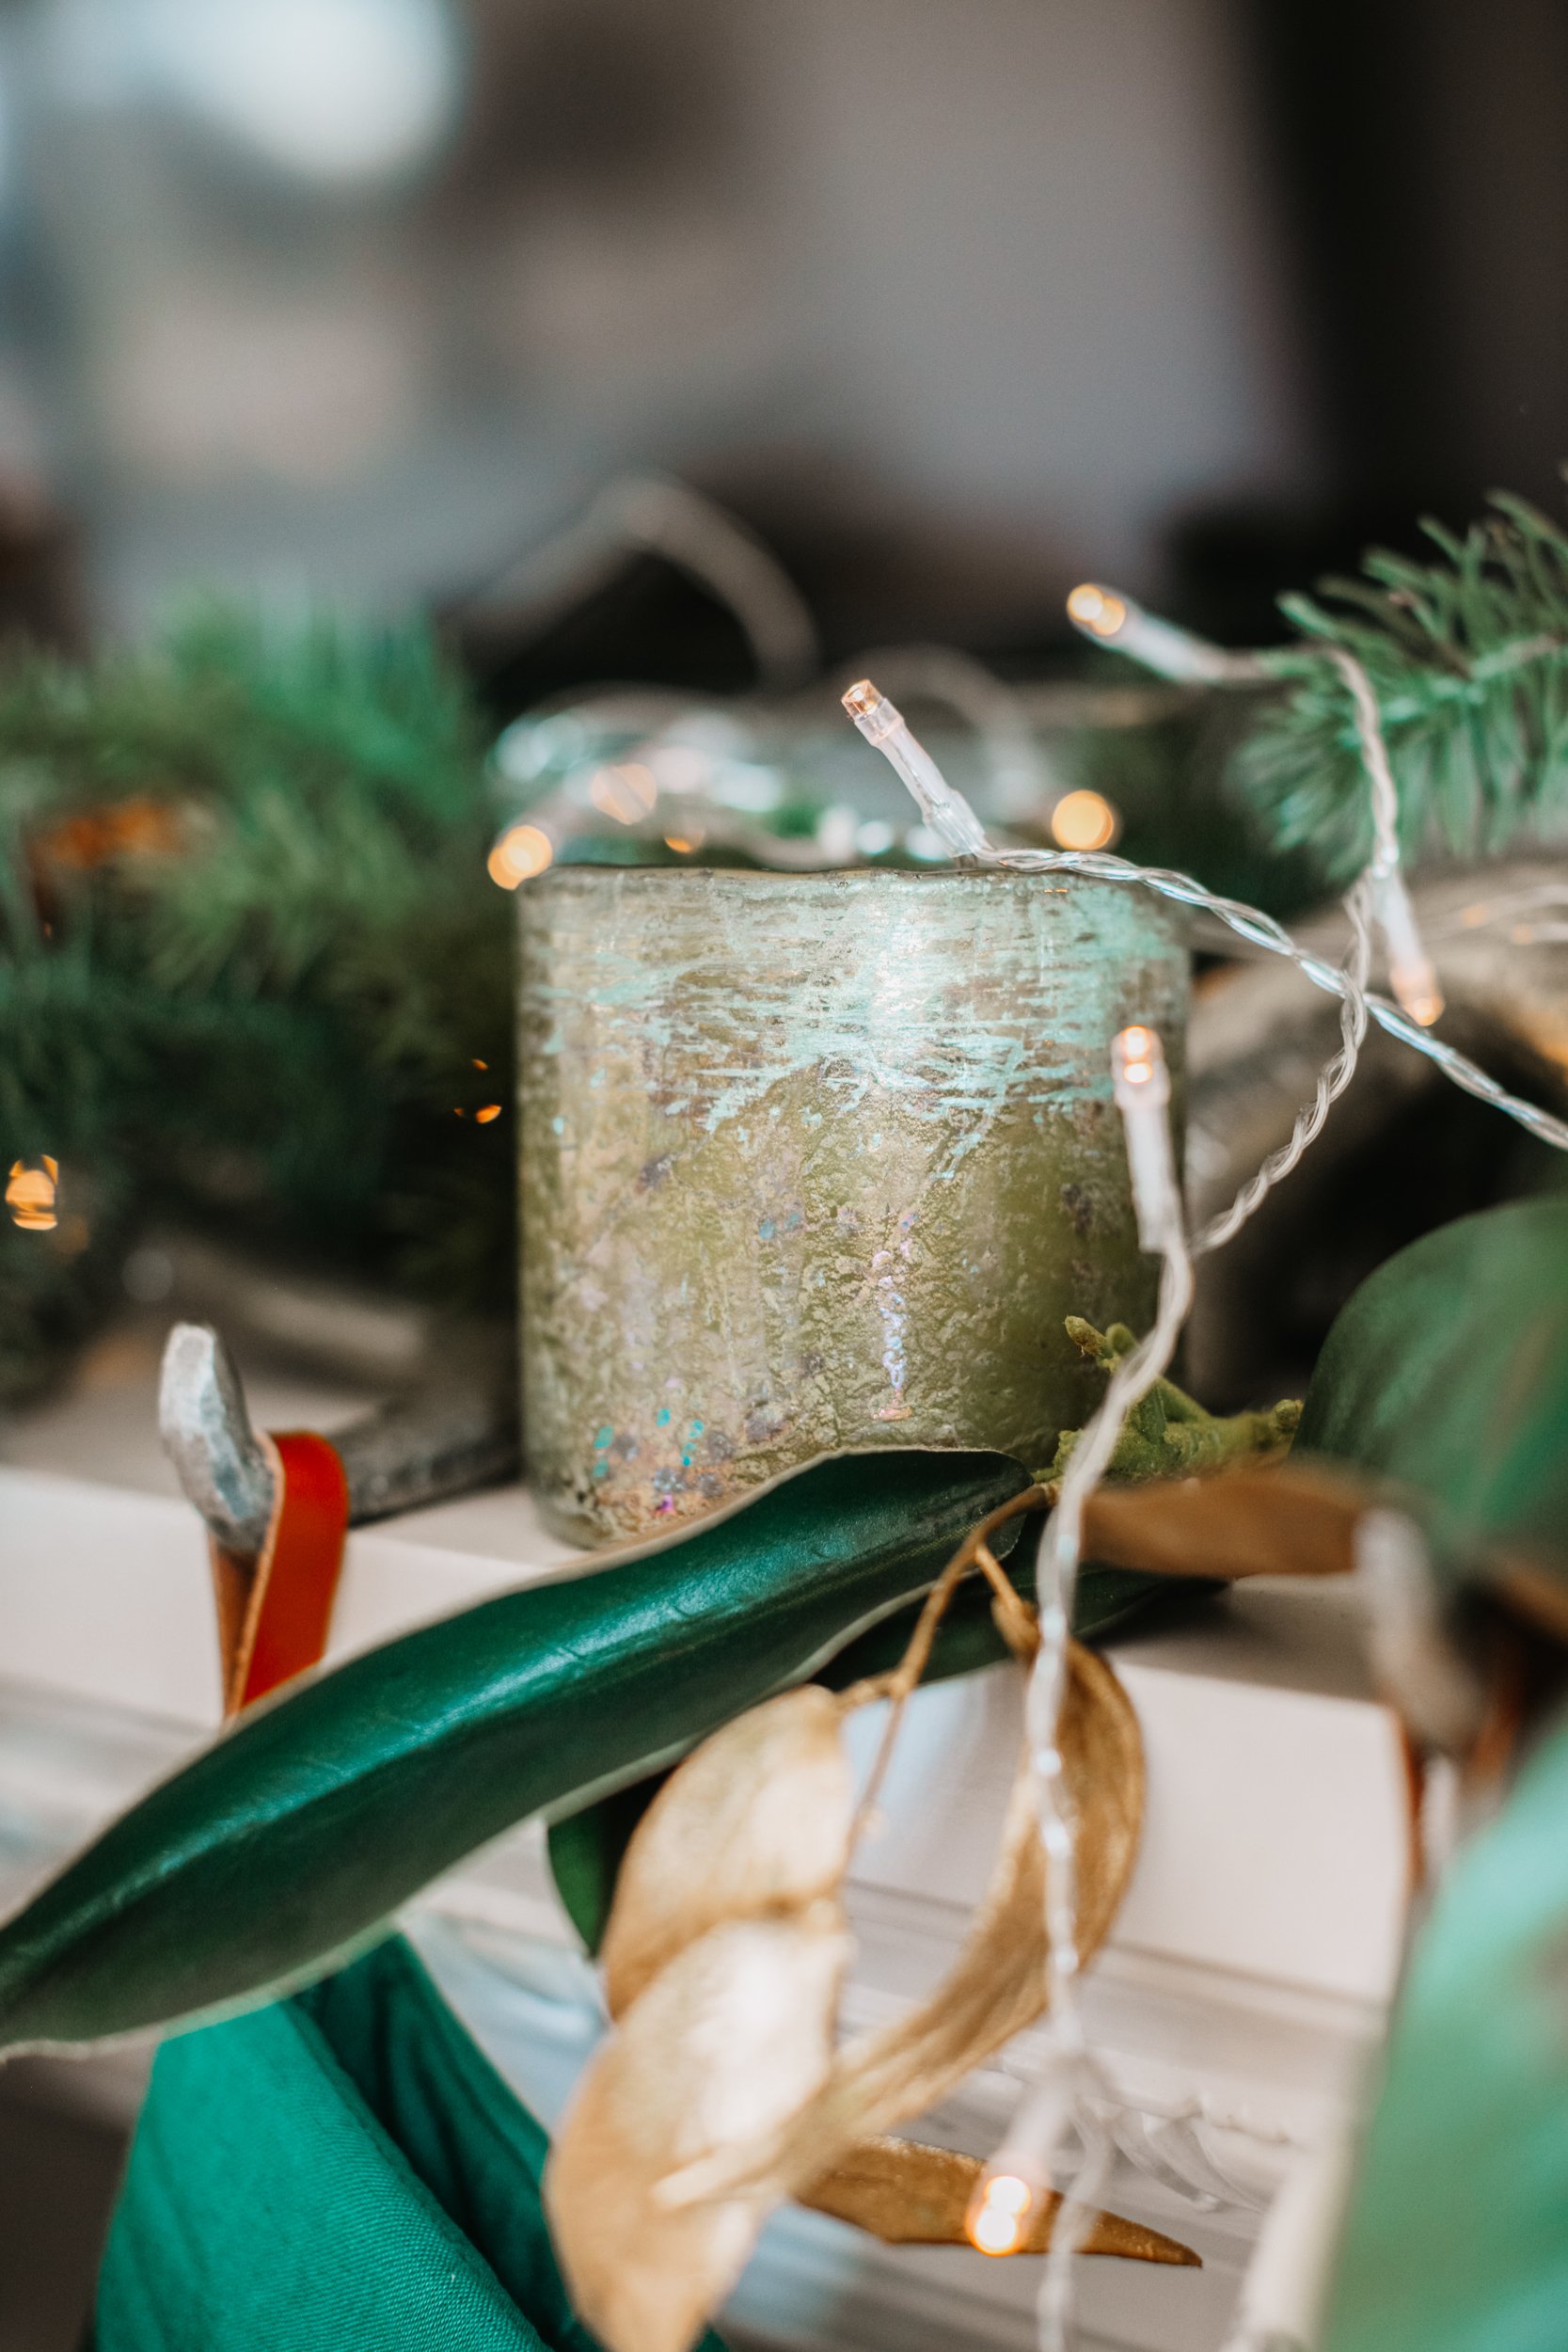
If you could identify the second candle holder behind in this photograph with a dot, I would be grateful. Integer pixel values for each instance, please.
(817, 1161)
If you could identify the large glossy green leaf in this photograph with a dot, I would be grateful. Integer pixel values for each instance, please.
(1457, 2239)
(1447, 1370)
(304, 1827)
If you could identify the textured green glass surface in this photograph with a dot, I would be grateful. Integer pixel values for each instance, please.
(341, 2172)
(307, 1824)
(1449, 1371)
(817, 1161)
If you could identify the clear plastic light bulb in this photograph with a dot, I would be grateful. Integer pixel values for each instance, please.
(1142, 1087)
(1411, 974)
(1115, 620)
(945, 810)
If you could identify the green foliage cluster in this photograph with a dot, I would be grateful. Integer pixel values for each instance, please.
(1469, 658)
(275, 1022)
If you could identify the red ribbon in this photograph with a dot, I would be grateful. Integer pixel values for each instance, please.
(275, 1612)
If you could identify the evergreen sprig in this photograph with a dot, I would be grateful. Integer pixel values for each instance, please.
(278, 1020)
(1469, 658)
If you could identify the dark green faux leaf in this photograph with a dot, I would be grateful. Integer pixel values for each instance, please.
(1457, 2239)
(586, 1847)
(586, 1850)
(303, 1828)
(1449, 1371)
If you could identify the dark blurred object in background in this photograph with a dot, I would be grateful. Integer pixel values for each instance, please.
(1422, 148)
(43, 592)
(1418, 149)
(368, 297)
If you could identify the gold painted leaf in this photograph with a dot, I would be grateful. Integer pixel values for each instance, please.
(755, 1823)
(1290, 1518)
(998, 1984)
(907, 2194)
(724, 2045)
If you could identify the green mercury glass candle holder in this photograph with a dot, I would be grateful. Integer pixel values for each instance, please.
(817, 1161)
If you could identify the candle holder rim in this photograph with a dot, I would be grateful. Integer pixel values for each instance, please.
(751, 877)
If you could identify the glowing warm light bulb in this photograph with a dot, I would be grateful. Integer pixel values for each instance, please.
(998, 2217)
(32, 1195)
(1142, 1085)
(1134, 1053)
(1082, 820)
(1160, 645)
(1097, 610)
(1411, 975)
(487, 1113)
(522, 851)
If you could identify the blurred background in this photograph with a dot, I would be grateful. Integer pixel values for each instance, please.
(954, 300)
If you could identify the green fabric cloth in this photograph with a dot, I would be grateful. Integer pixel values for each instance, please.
(342, 2170)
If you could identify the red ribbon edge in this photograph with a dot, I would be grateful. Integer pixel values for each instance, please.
(290, 1616)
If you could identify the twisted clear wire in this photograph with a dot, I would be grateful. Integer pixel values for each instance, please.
(1069, 2063)
(1261, 930)
(1333, 1077)
(1374, 759)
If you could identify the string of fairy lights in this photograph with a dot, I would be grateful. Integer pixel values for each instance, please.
(662, 787)
(1072, 2095)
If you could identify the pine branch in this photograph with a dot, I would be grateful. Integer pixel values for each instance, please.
(277, 1007)
(1469, 658)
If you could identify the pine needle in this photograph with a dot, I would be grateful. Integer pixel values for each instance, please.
(275, 1024)
(1469, 658)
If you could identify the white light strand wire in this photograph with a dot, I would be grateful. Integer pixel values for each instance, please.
(1261, 930)
(1075, 2089)
(1109, 618)
(1333, 1077)
(1072, 2092)
(1379, 890)
(1143, 1093)
(950, 816)
(945, 809)
(952, 820)
(1019, 771)
(1410, 970)
(1378, 897)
